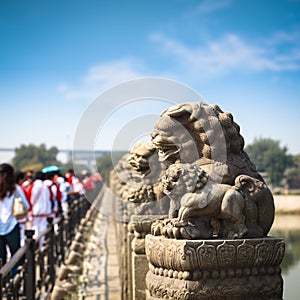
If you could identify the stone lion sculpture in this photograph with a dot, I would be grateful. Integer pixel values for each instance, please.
(203, 134)
(234, 211)
(136, 176)
(146, 169)
(212, 184)
(136, 179)
(120, 176)
(143, 159)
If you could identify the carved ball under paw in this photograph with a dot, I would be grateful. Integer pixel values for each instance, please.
(156, 228)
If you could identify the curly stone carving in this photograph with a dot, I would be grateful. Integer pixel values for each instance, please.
(238, 208)
(136, 181)
(195, 255)
(214, 269)
(135, 178)
(146, 172)
(214, 189)
(120, 176)
(214, 242)
(143, 159)
(191, 132)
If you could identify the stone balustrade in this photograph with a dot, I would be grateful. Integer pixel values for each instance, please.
(214, 269)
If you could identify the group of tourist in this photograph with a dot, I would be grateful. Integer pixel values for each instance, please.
(44, 193)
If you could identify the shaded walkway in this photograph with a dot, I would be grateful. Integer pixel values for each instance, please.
(100, 266)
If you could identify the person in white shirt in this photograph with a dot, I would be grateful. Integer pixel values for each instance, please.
(48, 180)
(64, 187)
(9, 226)
(40, 200)
(76, 186)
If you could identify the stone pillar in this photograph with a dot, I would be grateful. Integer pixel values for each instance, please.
(214, 269)
(124, 261)
(141, 226)
(130, 237)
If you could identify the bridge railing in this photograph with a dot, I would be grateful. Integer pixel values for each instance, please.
(39, 259)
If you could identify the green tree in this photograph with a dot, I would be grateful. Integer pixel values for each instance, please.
(34, 157)
(256, 152)
(293, 174)
(270, 157)
(105, 163)
(276, 161)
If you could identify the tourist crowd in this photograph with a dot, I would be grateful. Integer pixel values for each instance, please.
(44, 193)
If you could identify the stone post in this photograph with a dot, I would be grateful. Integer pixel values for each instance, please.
(124, 262)
(130, 237)
(214, 244)
(140, 226)
(214, 269)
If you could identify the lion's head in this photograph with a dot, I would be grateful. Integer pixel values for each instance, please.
(192, 131)
(183, 178)
(144, 161)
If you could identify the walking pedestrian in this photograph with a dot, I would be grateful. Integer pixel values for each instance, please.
(40, 201)
(9, 226)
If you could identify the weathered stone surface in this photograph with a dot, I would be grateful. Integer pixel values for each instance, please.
(210, 178)
(140, 269)
(140, 226)
(214, 242)
(214, 269)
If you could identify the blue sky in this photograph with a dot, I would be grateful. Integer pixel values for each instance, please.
(58, 56)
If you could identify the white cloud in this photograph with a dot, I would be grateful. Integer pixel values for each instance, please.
(208, 6)
(112, 72)
(280, 37)
(62, 87)
(101, 77)
(278, 52)
(231, 52)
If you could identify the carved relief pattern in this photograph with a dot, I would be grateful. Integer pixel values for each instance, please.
(278, 253)
(245, 254)
(191, 257)
(185, 269)
(149, 249)
(226, 254)
(206, 256)
(213, 244)
(257, 288)
(263, 254)
(194, 255)
(172, 261)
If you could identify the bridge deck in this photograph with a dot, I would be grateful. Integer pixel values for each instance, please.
(101, 269)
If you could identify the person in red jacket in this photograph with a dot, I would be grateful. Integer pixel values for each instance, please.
(28, 180)
(76, 186)
(54, 191)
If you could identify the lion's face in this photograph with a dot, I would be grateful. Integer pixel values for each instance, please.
(183, 178)
(141, 157)
(166, 137)
(170, 179)
(175, 140)
(139, 163)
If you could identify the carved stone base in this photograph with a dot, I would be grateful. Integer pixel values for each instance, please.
(140, 226)
(214, 269)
